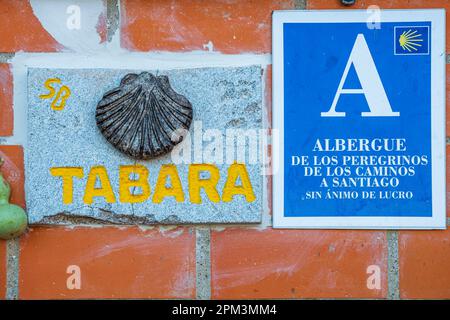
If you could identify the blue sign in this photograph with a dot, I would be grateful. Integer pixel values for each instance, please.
(360, 110)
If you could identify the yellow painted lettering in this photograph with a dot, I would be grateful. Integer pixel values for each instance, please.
(67, 174)
(105, 189)
(51, 90)
(63, 95)
(126, 195)
(235, 171)
(162, 191)
(209, 185)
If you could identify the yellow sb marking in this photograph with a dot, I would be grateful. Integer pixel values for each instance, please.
(61, 97)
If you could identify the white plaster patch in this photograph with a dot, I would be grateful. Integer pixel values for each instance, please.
(60, 19)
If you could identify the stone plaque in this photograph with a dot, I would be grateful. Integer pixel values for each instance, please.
(213, 176)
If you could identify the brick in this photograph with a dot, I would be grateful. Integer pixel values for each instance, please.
(384, 4)
(248, 263)
(13, 171)
(6, 100)
(114, 262)
(424, 264)
(2, 269)
(22, 30)
(232, 26)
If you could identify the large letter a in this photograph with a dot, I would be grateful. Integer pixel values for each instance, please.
(371, 85)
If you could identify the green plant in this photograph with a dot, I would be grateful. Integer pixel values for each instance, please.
(13, 219)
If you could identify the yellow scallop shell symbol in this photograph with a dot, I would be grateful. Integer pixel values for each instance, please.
(410, 40)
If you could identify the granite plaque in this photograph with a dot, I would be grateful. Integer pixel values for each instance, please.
(213, 176)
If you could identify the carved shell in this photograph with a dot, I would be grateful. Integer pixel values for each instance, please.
(144, 117)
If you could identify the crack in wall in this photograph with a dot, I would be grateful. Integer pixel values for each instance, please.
(106, 218)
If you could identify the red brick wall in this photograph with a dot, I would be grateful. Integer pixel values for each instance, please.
(244, 262)
(114, 263)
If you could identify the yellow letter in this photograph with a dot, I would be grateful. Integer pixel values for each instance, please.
(63, 94)
(235, 171)
(104, 191)
(127, 196)
(196, 184)
(162, 191)
(51, 90)
(67, 175)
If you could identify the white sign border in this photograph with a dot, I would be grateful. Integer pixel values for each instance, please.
(438, 134)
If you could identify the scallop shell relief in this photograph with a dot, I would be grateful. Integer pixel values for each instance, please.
(144, 117)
